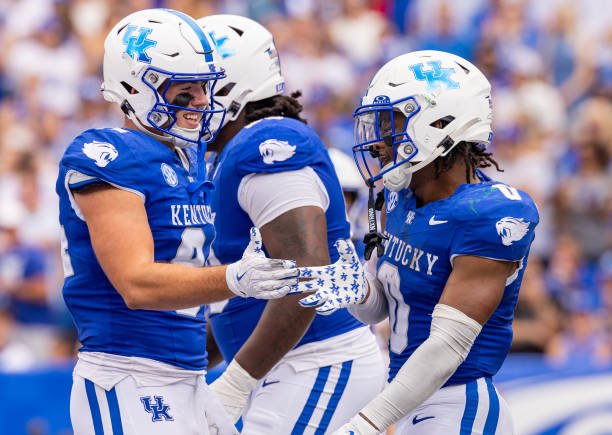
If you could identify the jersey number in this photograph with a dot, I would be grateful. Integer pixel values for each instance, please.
(508, 192)
(191, 253)
(398, 309)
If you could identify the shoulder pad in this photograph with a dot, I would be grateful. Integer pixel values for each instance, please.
(107, 155)
(494, 200)
(275, 145)
(494, 221)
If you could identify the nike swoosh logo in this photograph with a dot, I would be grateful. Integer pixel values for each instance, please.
(417, 420)
(266, 383)
(239, 277)
(433, 221)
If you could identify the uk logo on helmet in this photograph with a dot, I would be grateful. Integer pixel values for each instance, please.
(220, 45)
(435, 75)
(137, 44)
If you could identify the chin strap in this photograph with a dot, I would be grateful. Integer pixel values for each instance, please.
(201, 184)
(374, 239)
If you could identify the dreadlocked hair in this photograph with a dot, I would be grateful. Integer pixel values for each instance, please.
(278, 105)
(474, 156)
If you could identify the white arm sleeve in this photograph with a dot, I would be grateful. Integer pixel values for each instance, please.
(370, 265)
(428, 368)
(375, 308)
(264, 197)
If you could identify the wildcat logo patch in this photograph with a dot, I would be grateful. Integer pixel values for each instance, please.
(274, 150)
(511, 229)
(102, 152)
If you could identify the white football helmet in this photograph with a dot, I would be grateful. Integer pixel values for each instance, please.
(146, 52)
(415, 91)
(250, 59)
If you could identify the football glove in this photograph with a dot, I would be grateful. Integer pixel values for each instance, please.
(257, 276)
(337, 285)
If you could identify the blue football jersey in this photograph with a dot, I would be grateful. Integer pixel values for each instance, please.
(488, 219)
(183, 230)
(268, 146)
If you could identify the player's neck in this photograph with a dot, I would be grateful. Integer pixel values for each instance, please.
(226, 134)
(429, 188)
(129, 124)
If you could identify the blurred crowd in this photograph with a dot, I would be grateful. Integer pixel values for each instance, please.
(550, 63)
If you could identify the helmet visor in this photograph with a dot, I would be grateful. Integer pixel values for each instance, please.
(381, 138)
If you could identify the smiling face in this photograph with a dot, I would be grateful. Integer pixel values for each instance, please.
(191, 95)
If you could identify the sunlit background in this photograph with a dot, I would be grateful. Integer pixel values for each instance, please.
(550, 63)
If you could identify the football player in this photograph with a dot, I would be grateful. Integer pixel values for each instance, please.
(287, 373)
(456, 246)
(136, 219)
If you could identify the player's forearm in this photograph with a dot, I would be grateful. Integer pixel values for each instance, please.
(160, 286)
(428, 368)
(280, 328)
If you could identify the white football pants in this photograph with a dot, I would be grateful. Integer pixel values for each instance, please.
(315, 401)
(181, 408)
(467, 409)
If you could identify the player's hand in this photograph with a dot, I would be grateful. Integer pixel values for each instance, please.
(258, 276)
(337, 285)
(232, 389)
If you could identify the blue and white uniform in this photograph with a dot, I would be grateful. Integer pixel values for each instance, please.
(136, 368)
(270, 167)
(487, 219)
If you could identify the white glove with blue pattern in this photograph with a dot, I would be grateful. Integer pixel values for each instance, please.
(257, 276)
(337, 285)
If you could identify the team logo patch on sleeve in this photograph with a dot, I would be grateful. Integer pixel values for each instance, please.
(274, 150)
(511, 229)
(102, 152)
(169, 175)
